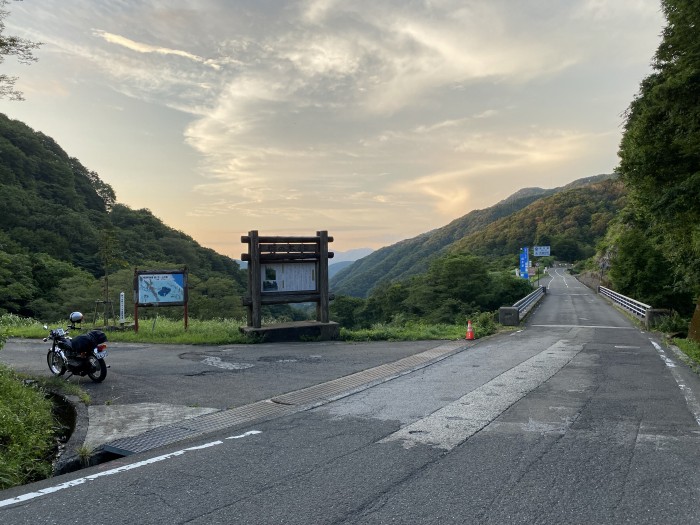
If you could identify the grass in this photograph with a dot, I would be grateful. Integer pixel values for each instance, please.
(85, 453)
(417, 331)
(61, 386)
(159, 330)
(226, 331)
(27, 431)
(689, 348)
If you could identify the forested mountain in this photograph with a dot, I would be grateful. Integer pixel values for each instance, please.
(571, 222)
(61, 226)
(414, 256)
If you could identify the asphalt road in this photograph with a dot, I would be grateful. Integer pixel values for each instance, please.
(579, 417)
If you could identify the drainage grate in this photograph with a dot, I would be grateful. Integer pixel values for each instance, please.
(167, 435)
(281, 405)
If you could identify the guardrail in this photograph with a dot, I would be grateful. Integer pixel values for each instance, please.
(524, 304)
(637, 308)
(511, 315)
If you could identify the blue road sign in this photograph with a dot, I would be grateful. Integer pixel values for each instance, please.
(524, 263)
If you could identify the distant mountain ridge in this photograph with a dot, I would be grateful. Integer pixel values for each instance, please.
(413, 256)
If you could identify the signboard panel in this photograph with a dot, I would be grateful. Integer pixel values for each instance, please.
(288, 277)
(541, 251)
(167, 289)
(524, 263)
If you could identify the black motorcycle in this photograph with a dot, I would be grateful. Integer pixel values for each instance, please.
(81, 355)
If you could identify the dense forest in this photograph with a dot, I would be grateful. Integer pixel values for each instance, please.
(62, 231)
(652, 250)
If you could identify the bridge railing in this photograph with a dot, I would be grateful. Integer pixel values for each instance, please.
(512, 315)
(636, 307)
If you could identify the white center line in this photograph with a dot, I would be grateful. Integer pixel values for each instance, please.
(79, 481)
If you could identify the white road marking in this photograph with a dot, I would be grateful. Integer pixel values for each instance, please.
(249, 433)
(218, 363)
(689, 395)
(79, 481)
(584, 326)
(454, 423)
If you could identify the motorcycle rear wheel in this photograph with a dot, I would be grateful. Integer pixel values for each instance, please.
(98, 369)
(56, 363)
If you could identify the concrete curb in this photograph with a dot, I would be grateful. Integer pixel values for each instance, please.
(77, 435)
(69, 459)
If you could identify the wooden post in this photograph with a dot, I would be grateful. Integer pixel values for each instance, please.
(254, 281)
(322, 305)
(136, 302)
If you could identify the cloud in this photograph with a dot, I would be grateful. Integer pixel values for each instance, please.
(140, 47)
(358, 112)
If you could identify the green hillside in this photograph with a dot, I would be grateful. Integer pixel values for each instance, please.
(572, 222)
(61, 225)
(414, 256)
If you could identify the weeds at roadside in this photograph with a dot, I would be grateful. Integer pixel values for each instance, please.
(85, 453)
(689, 348)
(27, 431)
(60, 386)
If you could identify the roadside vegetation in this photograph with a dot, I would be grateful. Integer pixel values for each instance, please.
(26, 429)
(226, 331)
(689, 348)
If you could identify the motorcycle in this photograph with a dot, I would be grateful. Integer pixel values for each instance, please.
(81, 355)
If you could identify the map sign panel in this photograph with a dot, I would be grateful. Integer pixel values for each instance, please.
(161, 288)
(293, 277)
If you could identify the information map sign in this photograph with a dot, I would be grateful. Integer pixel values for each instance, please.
(161, 289)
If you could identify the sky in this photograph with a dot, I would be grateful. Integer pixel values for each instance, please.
(375, 120)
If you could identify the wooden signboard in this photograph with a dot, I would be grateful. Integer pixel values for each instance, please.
(283, 270)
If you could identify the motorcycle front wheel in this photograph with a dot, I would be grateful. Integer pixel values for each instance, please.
(98, 369)
(56, 363)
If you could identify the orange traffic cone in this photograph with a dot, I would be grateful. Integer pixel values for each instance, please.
(470, 331)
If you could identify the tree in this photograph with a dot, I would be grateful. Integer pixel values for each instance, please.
(10, 45)
(660, 149)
